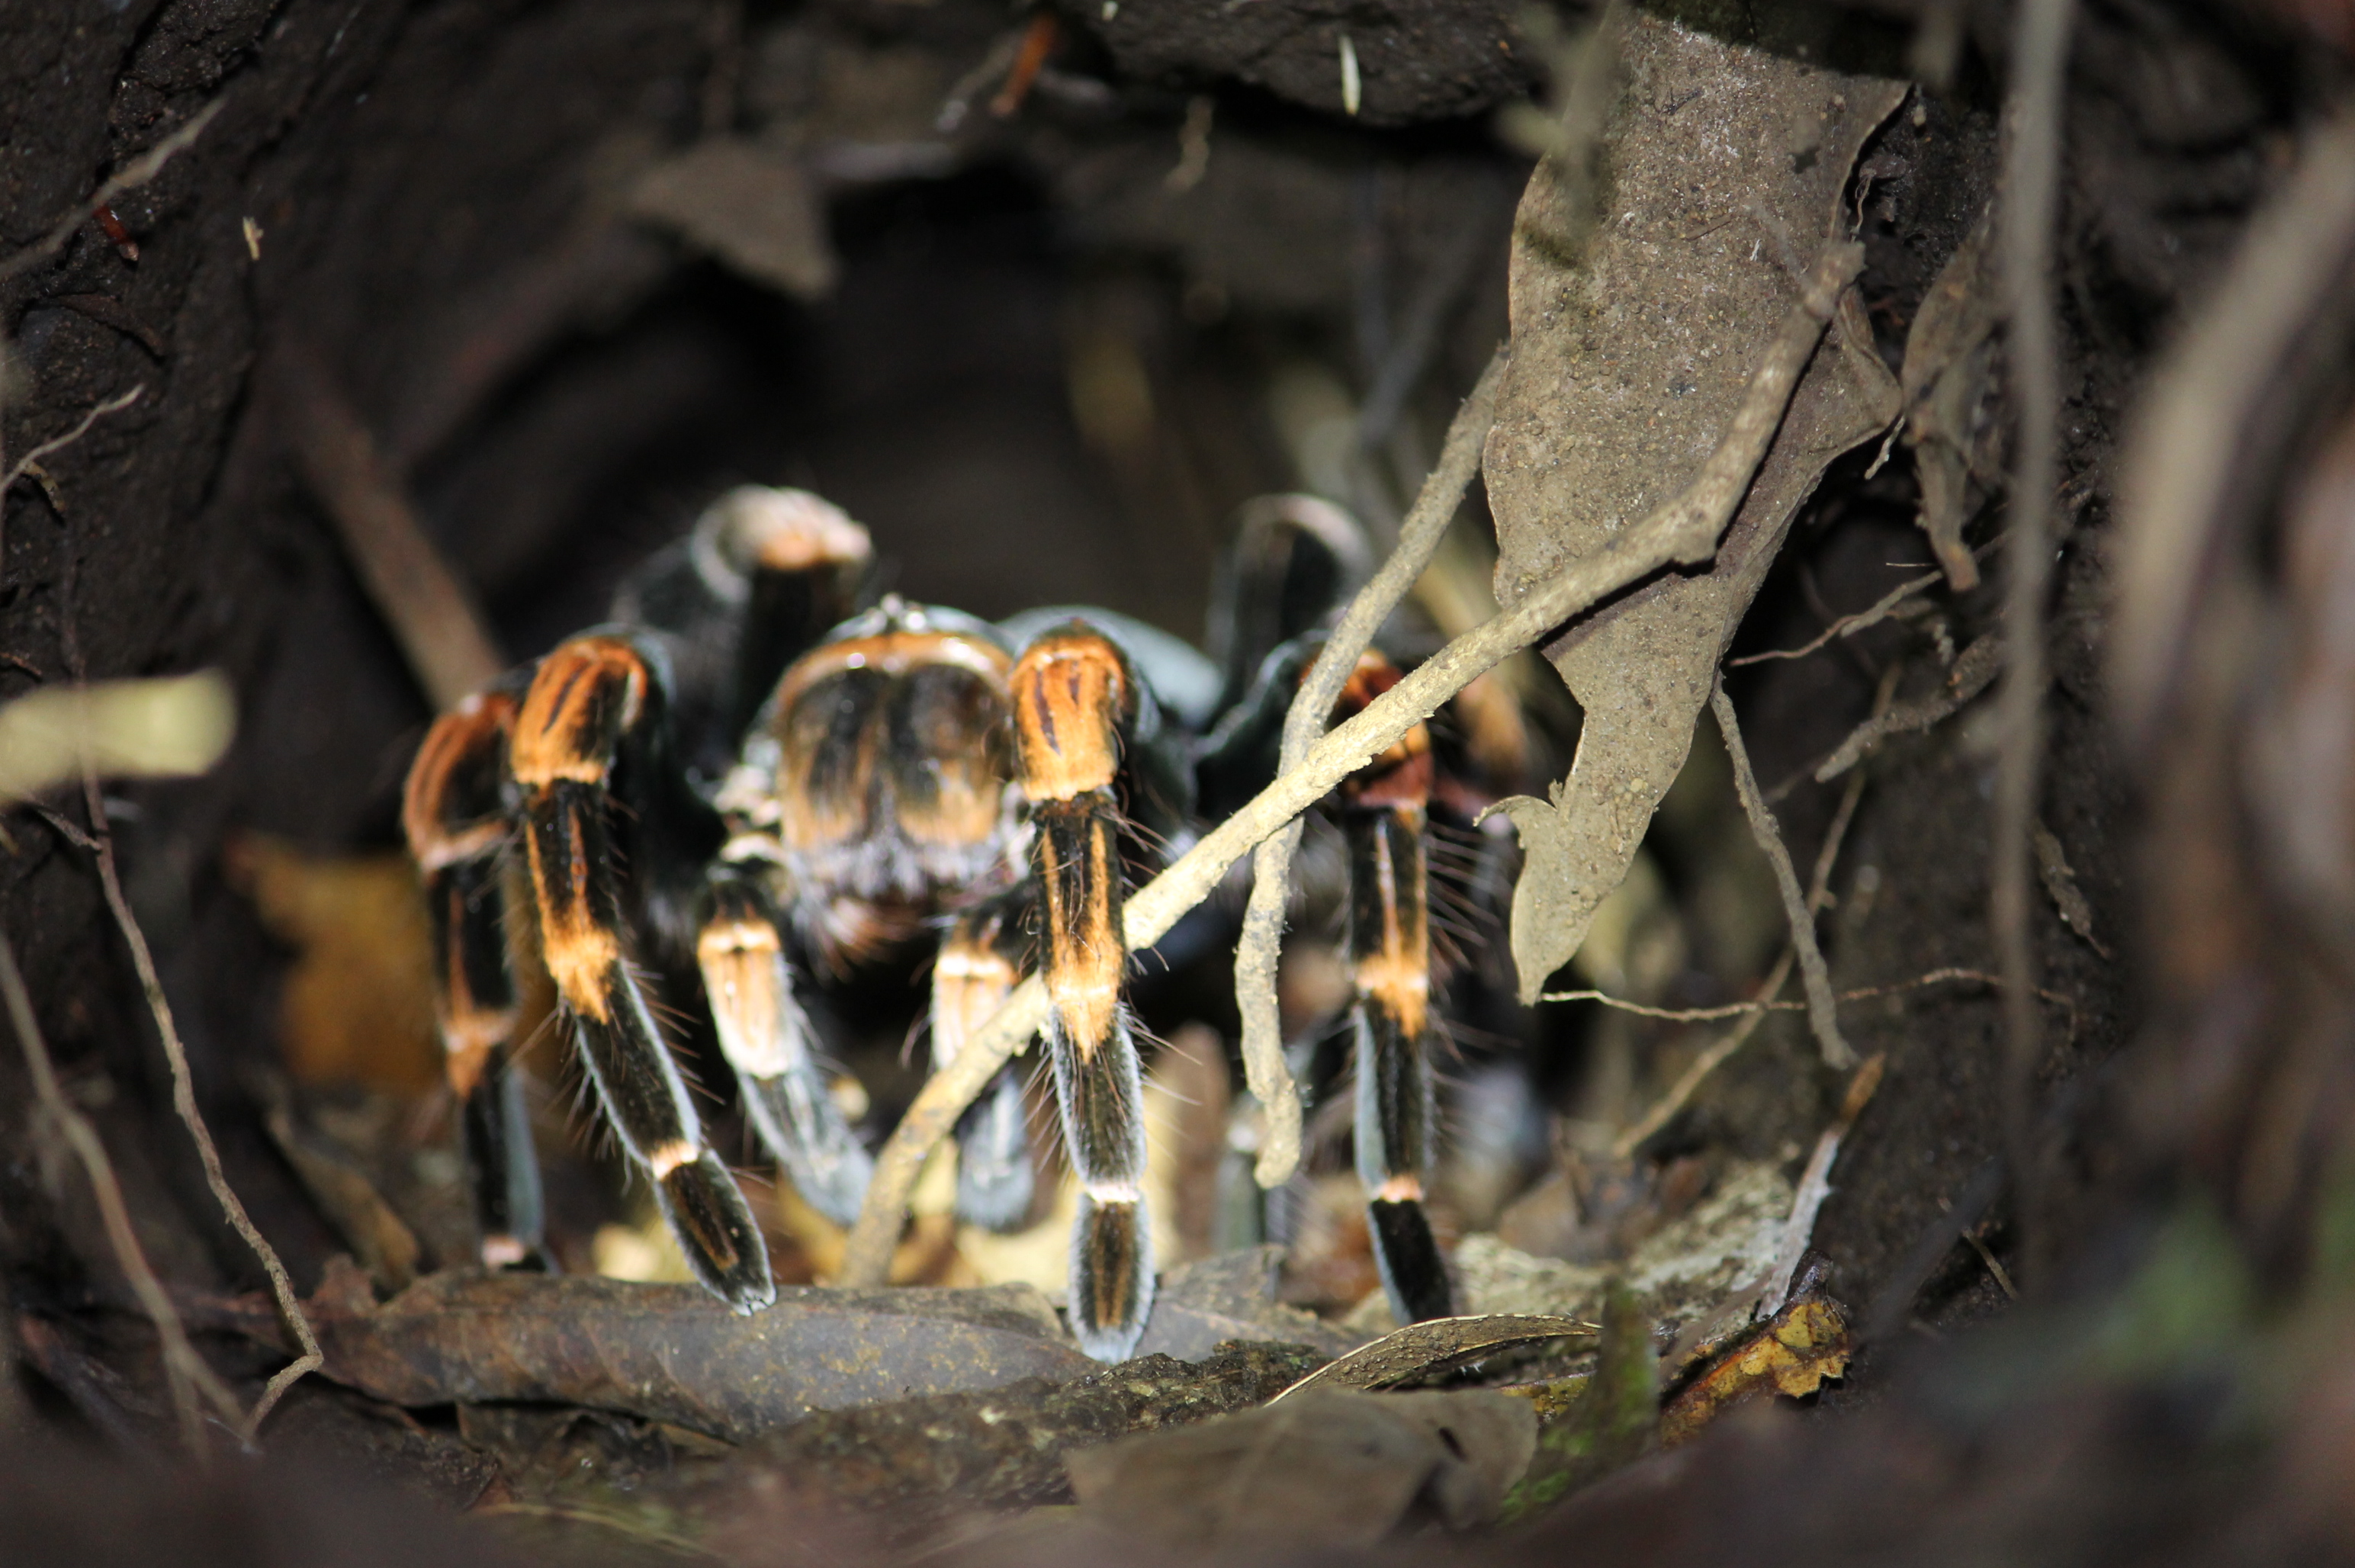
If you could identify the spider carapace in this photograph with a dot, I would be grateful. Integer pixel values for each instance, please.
(741, 780)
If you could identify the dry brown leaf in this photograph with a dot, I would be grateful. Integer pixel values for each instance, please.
(1635, 333)
(358, 1003)
(2052, 869)
(755, 207)
(1232, 1296)
(1334, 1467)
(1805, 1343)
(1423, 1350)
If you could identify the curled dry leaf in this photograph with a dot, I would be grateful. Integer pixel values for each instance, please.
(1424, 1350)
(1801, 1346)
(1334, 1467)
(666, 1352)
(1634, 332)
(2060, 879)
(755, 207)
(1950, 379)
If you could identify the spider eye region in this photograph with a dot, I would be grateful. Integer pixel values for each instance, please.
(893, 763)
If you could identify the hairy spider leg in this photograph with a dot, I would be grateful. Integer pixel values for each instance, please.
(761, 577)
(1074, 701)
(979, 962)
(587, 699)
(1382, 810)
(454, 813)
(767, 1039)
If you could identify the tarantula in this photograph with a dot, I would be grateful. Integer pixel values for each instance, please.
(742, 779)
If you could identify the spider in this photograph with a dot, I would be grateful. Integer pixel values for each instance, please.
(742, 780)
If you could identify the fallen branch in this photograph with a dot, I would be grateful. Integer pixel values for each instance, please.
(183, 1101)
(1823, 1016)
(1683, 531)
(185, 1372)
(2031, 206)
(132, 175)
(1261, 945)
(441, 631)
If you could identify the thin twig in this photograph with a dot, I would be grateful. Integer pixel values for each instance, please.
(1823, 1014)
(1847, 625)
(1905, 1280)
(2001, 1278)
(2031, 187)
(1684, 530)
(1819, 880)
(1820, 895)
(1975, 670)
(1881, 610)
(183, 1101)
(31, 462)
(1261, 945)
(1816, 1186)
(132, 175)
(1665, 1108)
(1761, 1003)
(185, 1371)
(113, 405)
(1767, 1001)
(440, 630)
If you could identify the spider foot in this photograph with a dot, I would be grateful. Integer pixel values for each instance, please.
(705, 1211)
(1112, 1274)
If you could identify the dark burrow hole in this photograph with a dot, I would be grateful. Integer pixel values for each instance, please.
(1057, 353)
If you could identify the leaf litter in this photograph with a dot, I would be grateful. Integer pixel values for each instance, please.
(1633, 329)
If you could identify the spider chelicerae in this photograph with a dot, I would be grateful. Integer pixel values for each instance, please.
(742, 779)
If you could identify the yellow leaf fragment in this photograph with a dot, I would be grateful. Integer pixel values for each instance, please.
(173, 727)
(1805, 1343)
